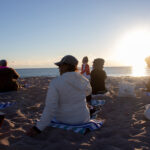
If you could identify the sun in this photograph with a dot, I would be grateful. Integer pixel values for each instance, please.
(133, 47)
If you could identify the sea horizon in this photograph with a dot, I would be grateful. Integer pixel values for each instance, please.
(57, 67)
(115, 71)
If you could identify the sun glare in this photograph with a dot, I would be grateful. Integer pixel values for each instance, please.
(138, 71)
(133, 47)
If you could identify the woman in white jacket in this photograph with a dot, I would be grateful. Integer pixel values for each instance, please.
(66, 97)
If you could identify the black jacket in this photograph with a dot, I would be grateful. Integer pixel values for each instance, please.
(98, 77)
(8, 79)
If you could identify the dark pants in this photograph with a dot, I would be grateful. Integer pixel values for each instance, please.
(13, 86)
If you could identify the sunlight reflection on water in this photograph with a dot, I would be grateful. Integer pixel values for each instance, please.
(140, 71)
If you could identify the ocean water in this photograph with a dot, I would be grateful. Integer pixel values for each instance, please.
(111, 71)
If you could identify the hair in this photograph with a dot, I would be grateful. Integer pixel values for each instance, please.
(85, 59)
(71, 68)
(3, 62)
(98, 63)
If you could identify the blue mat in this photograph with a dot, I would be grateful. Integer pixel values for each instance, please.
(147, 93)
(97, 102)
(6, 104)
(79, 128)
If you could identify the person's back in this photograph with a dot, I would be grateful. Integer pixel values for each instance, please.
(66, 97)
(98, 77)
(8, 77)
(72, 89)
(98, 80)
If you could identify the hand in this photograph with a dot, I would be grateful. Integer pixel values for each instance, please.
(33, 132)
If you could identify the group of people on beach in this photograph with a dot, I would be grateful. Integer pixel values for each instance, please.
(68, 94)
(8, 76)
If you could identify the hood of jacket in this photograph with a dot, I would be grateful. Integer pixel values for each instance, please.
(78, 81)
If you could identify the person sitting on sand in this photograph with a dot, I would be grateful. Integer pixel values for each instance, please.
(85, 69)
(66, 97)
(98, 77)
(8, 78)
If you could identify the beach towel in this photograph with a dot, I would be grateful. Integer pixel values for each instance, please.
(6, 104)
(95, 107)
(97, 102)
(79, 128)
(147, 93)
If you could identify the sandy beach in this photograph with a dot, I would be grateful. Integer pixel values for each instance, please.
(125, 126)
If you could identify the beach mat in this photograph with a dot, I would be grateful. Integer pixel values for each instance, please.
(147, 93)
(97, 102)
(6, 104)
(79, 128)
(95, 107)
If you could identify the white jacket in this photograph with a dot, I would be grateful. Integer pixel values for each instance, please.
(66, 100)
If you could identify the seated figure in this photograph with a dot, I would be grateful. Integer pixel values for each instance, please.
(66, 97)
(8, 78)
(98, 77)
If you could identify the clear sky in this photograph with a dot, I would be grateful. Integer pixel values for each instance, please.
(37, 33)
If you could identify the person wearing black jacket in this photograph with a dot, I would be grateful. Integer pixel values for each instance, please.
(8, 78)
(98, 77)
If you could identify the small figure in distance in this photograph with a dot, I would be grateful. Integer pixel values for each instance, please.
(85, 69)
(8, 78)
(98, 77)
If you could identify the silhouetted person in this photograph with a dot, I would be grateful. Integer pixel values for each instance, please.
(8, 78)
(98, 77)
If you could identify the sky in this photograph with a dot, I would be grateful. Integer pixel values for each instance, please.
(37, 33)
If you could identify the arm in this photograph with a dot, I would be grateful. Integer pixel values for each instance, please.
(93, 77)
(105, 76)
(87, 69)
(15, 75)
(82, 71)
(89, 89)
(50, 107)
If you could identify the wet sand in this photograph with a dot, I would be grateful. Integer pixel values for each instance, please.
(125, 126)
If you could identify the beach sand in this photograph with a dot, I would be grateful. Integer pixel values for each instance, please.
(125, 126)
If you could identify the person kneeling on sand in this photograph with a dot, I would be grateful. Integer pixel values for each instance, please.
(66, 97)
(8, 78)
